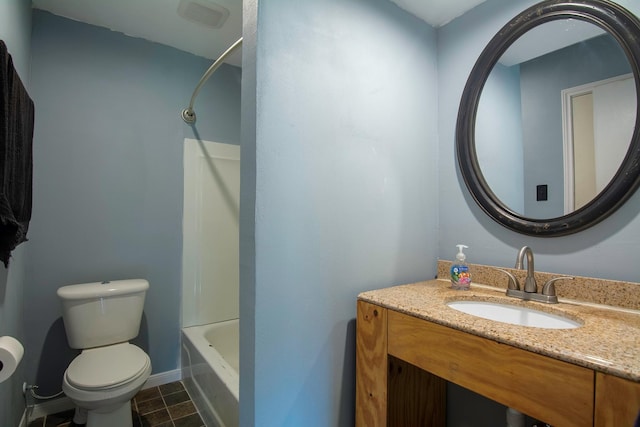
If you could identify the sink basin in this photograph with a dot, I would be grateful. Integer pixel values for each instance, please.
(514, 314)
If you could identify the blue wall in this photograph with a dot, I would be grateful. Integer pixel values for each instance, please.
(349, 182)
(542, 80)
(510, 146)
(499, 136)
(608, 250)
(15, 31)
(108, 176)
(345, 186)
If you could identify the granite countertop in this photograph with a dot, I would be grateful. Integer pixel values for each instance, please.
(608, 340)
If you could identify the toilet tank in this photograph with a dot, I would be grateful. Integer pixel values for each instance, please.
(102, 313)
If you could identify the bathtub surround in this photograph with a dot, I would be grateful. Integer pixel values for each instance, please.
(210, 289)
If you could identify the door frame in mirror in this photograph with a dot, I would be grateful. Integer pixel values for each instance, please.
(624, 26)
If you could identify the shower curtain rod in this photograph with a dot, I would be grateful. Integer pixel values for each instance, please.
(188, 115)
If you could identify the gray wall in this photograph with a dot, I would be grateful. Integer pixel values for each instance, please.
(15, 31)
(345, 137)
(608, 250)
(108, 177)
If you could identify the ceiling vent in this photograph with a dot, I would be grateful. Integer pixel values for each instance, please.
(203, 12)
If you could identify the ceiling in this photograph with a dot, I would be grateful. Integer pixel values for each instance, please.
(437, 12)
(159, 21)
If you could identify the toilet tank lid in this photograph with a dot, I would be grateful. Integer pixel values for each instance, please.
(102, 289)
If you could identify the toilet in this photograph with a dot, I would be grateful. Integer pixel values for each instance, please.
(100, 318)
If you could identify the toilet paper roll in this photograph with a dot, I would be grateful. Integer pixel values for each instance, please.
(11, 352)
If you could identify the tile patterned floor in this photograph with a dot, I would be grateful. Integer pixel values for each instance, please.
(168, 405)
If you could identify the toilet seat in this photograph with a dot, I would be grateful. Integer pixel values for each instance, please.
(107, 367)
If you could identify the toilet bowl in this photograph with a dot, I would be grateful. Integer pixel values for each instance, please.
(100, 318)
(102, 382)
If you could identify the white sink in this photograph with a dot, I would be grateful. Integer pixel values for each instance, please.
(514, 314)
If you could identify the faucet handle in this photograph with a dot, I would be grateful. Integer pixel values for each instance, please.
(513, 282)
(549, 288)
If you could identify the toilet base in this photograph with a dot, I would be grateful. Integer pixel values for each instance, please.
(120, 416)
(80, 417)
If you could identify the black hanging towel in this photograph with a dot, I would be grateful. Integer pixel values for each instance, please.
(16, 163)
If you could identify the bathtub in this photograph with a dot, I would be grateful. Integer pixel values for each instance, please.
(210, 370)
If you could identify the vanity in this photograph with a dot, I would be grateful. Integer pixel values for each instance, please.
(410, 343)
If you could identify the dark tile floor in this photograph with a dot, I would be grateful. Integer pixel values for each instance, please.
(168, 405)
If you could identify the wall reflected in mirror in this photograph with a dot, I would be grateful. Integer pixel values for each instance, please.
(525, 129)
(598, 125)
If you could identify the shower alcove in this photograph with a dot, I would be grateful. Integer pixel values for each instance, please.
(210, 283)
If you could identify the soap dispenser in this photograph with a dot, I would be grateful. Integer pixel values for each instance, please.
(460, 275)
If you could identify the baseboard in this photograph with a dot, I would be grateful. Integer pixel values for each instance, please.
(50, 407)
(167, 377)
(64, 403)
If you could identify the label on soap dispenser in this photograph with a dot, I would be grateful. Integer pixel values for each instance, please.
(460, 277)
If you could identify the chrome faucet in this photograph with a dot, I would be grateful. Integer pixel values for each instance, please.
(530, 291)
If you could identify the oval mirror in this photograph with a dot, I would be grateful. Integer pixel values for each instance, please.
(547, 135)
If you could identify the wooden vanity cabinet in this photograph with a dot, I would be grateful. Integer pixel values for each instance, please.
(617, 401)
(371, 365)
(403, 363)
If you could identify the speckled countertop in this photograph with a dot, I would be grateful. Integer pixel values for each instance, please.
(608, 340)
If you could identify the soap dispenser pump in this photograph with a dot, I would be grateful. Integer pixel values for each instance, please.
(460, 275)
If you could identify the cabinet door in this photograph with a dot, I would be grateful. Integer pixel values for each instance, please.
(617, 401)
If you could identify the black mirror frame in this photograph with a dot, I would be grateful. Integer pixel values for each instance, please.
(625, 28)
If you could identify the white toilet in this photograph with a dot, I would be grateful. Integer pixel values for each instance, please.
(100, 318)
